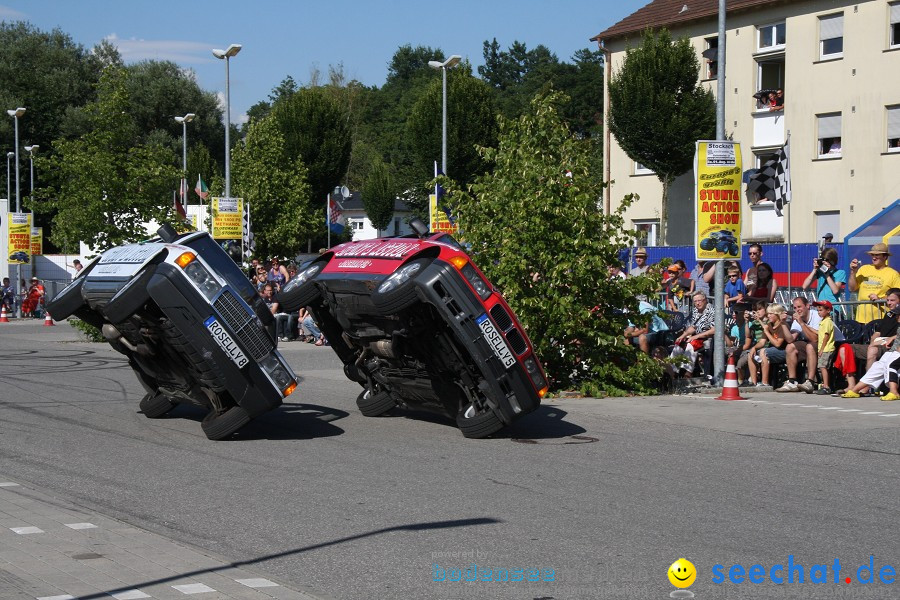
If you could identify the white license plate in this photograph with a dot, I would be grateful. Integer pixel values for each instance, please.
(496, 341)
(225, 342)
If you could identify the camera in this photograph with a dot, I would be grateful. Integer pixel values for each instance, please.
(890, 314)
(819, 262)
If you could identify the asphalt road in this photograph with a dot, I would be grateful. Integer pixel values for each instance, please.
(600, 495)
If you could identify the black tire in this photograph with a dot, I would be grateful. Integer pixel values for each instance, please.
(155, 405)
(206, 371)
(374, 405)
(65, 303)
(403, 295)
(123, 305)
(292, 298)
(218, 426)
(478, 425)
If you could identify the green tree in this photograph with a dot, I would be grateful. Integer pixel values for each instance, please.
(315, 131)
(378, 196)
(471, 122)
(275, 186)
(539, 236)
(658, 109)
(104, 188)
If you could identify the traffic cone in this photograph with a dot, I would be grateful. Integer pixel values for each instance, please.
(3, 317)
(48, 322)
(730, 385)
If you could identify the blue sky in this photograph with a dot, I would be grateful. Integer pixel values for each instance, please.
(283, 38)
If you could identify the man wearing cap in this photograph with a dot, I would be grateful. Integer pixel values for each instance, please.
(872, 282)
(677, 287)
(640, 259)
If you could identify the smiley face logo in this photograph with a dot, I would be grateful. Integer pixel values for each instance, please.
(682, 573)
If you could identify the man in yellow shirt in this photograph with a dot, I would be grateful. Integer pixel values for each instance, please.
(872, 282)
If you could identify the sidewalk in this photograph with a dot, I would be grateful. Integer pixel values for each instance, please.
(51, 549)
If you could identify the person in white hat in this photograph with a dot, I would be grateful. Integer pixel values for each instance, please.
(872, 282)
(640, 259)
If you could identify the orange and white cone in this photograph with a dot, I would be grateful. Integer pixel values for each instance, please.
(48, 321)
(730, 385)
(3, 316)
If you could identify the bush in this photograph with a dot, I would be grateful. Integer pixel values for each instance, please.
(91, 333)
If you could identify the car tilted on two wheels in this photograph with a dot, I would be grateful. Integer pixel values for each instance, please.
(413, 320)
(417, 324)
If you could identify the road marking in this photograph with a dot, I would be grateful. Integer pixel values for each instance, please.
(26, 530)
(792, 404)
(63, 597)
(829, 408)
(258, 582)
(8, 484)
(81, 526)
(130, 595)
(193, 588)
(850, 410)
(873, 412)
(891, 415)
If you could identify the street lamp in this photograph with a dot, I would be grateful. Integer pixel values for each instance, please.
(184, 121)
(9, 156)
(232, 50)
(443, 66)
(15, 113)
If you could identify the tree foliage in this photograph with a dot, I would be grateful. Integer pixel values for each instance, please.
(104, 187)
(378, 196)
(658, 109)
(540, 237)
(275, 185)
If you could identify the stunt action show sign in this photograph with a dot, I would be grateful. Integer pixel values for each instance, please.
(19, 238)
(227, 218)
(717, 189)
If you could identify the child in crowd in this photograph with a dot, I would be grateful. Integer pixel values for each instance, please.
(756, 341)
(735, 290)
(826, 343)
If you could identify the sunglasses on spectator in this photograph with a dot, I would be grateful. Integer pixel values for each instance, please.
(753, 253)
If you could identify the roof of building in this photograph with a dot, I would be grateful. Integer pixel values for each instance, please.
(669, 13)
(354, 202)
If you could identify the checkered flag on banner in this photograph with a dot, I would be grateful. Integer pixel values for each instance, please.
(248, 245)
(773, 181)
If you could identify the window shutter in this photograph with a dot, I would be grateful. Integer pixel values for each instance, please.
(830, 126)
(895, 13)
(831, 27)
(893, 122)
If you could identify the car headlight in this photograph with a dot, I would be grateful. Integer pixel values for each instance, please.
(202, 278)
(478, 283)
(302, 277)
(401, 276)
(534, 372)
(280, 376)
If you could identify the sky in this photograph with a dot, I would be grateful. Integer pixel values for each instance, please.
(282, 38)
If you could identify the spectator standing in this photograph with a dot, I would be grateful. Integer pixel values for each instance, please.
(76, 264)
(776, 101)
(640, 261)
(615, 271)
(826, 343)
(31, 306)
(277, 275)
(828, 279)
(8, 295)
(764, 285)
(678, 287)
(735, 290)
(254, 266)
(701, 283)
(755, 252)
(872, 281)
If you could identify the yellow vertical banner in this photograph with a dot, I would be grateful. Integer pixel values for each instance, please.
(37, 241)
(439, 220)
(19, 238)
(227, 218)
(717, 189)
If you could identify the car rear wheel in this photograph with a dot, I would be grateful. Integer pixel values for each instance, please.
(374, 405)
(155, 405)
(301, 290)
(218, 426)
(398, 291)
(478, 425)
(131, 298)
(64, 304)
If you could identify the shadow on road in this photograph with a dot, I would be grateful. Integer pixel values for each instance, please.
(287, 422)
(295, 551)
(547, 422)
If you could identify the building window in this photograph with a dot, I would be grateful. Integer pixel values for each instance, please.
(646, 231)
(828, 221)
(893, 128)
(356, 224)
(640, 169)
(895, 25)
(771, 37)
(711, 54)
(829, 135)
(831, 36)
(769, 79)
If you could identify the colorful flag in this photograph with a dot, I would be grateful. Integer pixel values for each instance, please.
(334, 215)
(201, 188)
(179, 207)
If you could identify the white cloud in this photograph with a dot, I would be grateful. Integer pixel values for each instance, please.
(243, 119)
(178, 51)
(11, 14)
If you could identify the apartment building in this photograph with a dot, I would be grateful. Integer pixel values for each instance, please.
(838, 64)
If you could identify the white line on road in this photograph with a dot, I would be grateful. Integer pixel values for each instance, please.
(851, 410)
(829, 408)
(891, 415)
(873, 412)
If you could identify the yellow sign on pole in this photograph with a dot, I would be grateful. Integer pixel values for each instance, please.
(227, 218)
(37, 241)
(717, 189)
(19, 238)
(439, 220)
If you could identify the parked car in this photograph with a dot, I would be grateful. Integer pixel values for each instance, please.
(417, 324)
(192, 326)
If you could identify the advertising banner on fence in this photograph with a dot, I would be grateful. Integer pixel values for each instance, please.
(227, 218)
(37, 241)
(19, 238)
(717, 189)
(439, 220)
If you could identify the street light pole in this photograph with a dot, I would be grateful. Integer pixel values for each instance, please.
(31, 150)
(226, 54)
(184, 121)
(9, 156)
(15, 113)
(443, 66)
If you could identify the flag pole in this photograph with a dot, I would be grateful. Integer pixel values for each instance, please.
(328, 220)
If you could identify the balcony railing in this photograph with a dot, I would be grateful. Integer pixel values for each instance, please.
(768, 128)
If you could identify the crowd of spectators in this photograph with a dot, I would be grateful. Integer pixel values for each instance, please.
(269, 277)
(798, 344)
